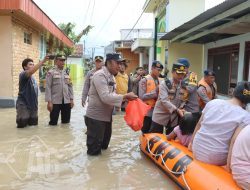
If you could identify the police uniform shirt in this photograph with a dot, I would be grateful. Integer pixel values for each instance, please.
(102, 96)
(87, 84)
(192, 104)
(168, 102)
(58, 87)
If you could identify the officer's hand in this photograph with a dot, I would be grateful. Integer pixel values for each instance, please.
(180, 112)
(83, 103)
(50, 106)
(72, 103)
(130, 96)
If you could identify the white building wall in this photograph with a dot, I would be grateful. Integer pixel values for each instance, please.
(241, 39)
(181, 11)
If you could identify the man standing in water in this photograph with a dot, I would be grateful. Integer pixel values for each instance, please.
(59, 92)
(27, 104)
(85, 91)
(102, 100)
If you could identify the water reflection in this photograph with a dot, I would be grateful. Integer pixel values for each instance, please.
(45, 157)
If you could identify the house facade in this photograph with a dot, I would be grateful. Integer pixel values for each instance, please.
(25, 32)
(223, 32)
(168, 15)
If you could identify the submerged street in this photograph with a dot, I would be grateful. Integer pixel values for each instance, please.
(46, 157)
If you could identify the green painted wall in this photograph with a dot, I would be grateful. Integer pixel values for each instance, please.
(76, 71)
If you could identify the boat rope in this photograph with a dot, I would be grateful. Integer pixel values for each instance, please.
(182, 173)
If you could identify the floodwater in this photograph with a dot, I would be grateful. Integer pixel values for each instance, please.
(45, 157)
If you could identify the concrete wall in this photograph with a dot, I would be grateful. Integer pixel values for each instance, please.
(6, 86)
(76, 71)
(193, 52)
(134, 59)
(22, 50)
(181, 11)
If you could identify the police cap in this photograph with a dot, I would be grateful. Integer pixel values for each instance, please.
(209, 73)
(184, 61)
(100, 58)
(242, 92)
(157, 64)
(178, 68)
(60, 56)
(114, 56)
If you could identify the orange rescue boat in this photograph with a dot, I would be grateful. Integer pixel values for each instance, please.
(178, 162)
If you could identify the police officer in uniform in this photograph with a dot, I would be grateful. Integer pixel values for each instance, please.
(98, 66)
(59, 92)
(207, 88)
(170, 101)
(102, 99)
(148, 92)
(190, 93)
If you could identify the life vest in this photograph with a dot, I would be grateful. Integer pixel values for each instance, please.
(150, 87)
(209, 91)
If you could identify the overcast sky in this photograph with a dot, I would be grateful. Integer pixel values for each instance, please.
(107, 17)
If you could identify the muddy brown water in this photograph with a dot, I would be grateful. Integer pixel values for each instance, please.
(45, 157)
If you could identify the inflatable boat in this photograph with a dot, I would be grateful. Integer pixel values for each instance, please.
(178, 162)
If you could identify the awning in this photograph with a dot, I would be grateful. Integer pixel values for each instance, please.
(230, 18)
(142, 43)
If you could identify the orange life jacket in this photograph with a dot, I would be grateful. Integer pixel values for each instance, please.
(209, 91)
(150, 87)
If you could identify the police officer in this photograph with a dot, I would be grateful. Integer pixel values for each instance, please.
(59, 92)
(148, 92)
(207, 88)
(98, 66)
(170, 102)
(102, 99)
(190, 93)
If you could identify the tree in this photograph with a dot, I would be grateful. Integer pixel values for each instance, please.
(68, 29)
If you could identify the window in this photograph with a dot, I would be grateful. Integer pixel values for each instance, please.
(27, 38)
(42, 46)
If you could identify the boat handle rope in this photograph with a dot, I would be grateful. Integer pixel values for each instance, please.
(182, 173)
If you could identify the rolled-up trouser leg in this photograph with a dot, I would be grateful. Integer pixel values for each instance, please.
(22, 116)
(95, 135)
(33, 120)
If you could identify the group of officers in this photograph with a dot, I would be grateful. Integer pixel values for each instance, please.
(169, 98)
(182, 93)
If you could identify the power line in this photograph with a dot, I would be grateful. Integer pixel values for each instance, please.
(134, 25)
(86, 13)
(136, 22)
(112, 12)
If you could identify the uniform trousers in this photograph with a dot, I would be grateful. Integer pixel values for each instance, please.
(98, 135)
(65, 110)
